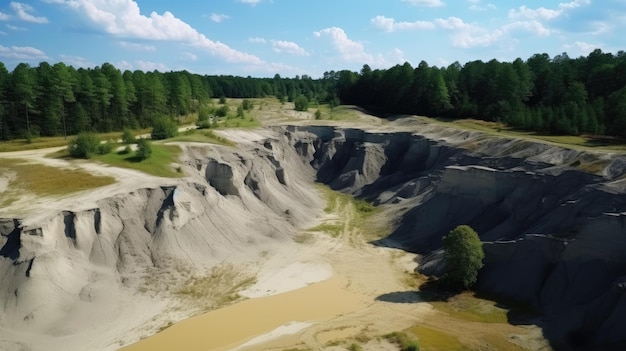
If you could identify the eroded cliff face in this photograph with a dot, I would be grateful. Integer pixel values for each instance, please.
(554, 236)
(117, 263)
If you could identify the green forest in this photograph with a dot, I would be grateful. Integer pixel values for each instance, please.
(558, 95)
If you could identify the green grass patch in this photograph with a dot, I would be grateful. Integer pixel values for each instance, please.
(403, 340)
(436, 340)
(202, 136)
(577, 142)
(467, 307)
(353, 214)
(48, 142)
(43, 180)
(159, 164)
(219, 288)
(331, 229)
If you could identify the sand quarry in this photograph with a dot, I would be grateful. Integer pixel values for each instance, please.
(233, 256)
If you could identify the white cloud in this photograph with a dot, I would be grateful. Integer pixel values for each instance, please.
(288, 47)
(542, 13)
(188, 56)
(468, 35)
(487, 7)
(4, 16)
(251, 2)
(257, 40)
(390, 25)
(22, 12)
(15, 28)
(124, 65)
(123, 18)
(349, 50)
(76, 61)
(151, 66)
(217, 18)
(426, 3)
(582, 47)
(26, 53)
(137, 46)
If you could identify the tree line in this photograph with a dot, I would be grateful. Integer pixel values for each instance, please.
(558, 95)
(49, 100)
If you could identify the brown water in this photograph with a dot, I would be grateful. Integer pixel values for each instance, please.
(232, 326)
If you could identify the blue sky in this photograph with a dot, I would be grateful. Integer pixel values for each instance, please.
(295, 37)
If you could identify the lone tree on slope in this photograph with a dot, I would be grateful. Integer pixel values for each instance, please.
(464, 256)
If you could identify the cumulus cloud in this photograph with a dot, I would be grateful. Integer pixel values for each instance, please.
(425, 3)
(350, 51)
(217, 18)
(151, 66)
(390, 25)
(25, 53)
(77, 61)
(22, 11)
(288, 47)
(123, 18)
(581, 47)
(542, 13)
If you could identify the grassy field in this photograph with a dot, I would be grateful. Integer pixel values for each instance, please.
(578, 142)
(160, 164)
(41, 180)
(48, 142)
(202, 136)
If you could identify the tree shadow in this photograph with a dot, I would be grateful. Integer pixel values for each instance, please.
(401, 297)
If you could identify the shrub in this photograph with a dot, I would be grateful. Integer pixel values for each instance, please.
(144, 149)
(125, 151)
(163, 128)
(464, 256)
(301, 103)
(247, 105)
(128, 137)
(84, 145)
(105, 148)
(318, 114)
(240, 111)
(222, 111)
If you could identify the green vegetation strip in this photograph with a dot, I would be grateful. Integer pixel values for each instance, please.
(159, 164)
(354, 214)
(436, 340)
(202, 136)
(44, 180)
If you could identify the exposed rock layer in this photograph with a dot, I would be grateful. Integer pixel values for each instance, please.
(555, 236)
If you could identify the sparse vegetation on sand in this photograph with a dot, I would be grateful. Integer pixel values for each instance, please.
(42, 180)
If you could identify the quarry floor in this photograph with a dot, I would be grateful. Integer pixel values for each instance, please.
(323, 293)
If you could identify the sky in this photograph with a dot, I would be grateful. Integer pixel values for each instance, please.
(261, 38)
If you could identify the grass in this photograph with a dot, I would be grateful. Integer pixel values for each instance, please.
(577, 142)
(202, 136)
(436, 340)
(48, 142)
(354, 215)
(44, 180)
(217, 289)
(403, 340)
(159, 164)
